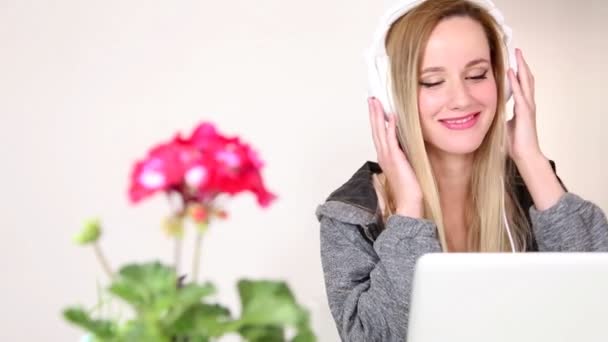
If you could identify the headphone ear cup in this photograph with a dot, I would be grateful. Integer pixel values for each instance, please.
(383, 76)
(373, 77)
(507, 34)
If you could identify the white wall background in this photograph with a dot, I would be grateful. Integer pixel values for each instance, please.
(87, 86)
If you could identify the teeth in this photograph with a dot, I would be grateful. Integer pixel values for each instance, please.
(460, 121)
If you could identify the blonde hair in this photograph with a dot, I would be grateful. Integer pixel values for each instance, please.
(491, 190)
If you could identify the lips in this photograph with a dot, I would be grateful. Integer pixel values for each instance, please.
(461, 123)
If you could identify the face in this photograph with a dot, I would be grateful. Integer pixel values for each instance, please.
(458, 95)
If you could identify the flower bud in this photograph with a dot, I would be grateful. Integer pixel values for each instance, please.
(90, 232)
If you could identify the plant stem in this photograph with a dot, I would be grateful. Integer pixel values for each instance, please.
(197, 255)
(178, 211)
(102, 260)
(177, 251)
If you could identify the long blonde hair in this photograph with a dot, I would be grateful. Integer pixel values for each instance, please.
(491, 188)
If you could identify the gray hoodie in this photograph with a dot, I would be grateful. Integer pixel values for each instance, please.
(368, 266)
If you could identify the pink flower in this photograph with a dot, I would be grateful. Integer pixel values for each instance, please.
(200, 167)
(162, 170)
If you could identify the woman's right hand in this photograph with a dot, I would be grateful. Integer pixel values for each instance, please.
(401, 178)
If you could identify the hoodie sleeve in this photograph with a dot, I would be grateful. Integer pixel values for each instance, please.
(571, 225)
(368, 285)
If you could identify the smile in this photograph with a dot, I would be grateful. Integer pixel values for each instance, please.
(465, 122)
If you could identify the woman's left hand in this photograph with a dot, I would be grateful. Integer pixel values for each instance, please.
(522, 134)
(534, 167)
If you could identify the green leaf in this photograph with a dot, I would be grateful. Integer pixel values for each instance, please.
(155, 275)
(90, 232)
(141, 329)
(187, 297)
(153, 291)
(149, 286)
(191, 338)
(193, 293)
(204, 320)
(269, 303)
(100, 328)
(262, 333)
(305, 335)
(128, 292)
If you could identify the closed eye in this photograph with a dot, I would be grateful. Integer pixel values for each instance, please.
(479, 77)
(430, 85)
(482, 76)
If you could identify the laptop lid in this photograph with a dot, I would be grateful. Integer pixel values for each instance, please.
(510, 297)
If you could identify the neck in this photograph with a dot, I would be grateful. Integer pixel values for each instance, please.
(452, 172)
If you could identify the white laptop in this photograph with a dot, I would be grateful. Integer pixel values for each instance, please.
(510, 297)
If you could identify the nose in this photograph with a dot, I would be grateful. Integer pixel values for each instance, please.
(460, 96)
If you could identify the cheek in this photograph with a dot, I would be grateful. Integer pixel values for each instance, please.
(430, 103)
(486, 94)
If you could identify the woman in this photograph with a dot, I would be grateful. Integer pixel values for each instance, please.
(468, 181)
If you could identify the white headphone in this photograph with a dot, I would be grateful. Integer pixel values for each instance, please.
(378, 63)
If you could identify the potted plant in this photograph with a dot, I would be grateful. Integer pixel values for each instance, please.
(163, 305)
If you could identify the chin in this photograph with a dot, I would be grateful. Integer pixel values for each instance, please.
(460, 145)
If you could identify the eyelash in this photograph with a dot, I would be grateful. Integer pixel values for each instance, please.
(476, 78)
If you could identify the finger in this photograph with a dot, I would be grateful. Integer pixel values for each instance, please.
(525, 76)
(510, 129)
(517, 91)
(380, 124)
(526, 66)
(392, 142)
(372, 124)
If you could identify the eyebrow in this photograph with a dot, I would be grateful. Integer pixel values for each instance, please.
(470, 64)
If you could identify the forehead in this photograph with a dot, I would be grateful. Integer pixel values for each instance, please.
(456, 40)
